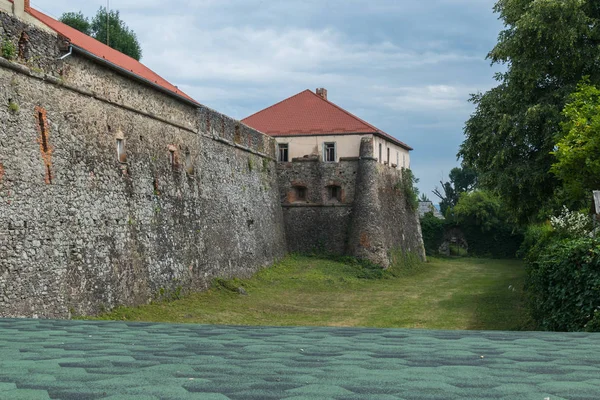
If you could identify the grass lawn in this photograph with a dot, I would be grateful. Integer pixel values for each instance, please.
(459, 293)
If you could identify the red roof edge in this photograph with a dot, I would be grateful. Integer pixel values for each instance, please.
(374, 130)
(143, 74)
(378, 131)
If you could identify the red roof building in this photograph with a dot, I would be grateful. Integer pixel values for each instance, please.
(301, 120)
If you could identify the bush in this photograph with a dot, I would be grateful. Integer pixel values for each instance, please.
(481, 219)
(500, 241)
(563, 282)
(8, 49)
(433, 230)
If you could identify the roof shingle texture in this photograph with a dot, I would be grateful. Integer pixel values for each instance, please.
(308, 114)
(42, 359)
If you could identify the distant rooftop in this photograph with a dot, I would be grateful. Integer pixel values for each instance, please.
(309, 114)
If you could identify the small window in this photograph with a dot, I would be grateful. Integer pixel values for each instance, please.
(329, 155)
(388, 156)
(300, 193)
(380, 153)
(121, 155)
(173, 159)
(334, 192)
(284, 153)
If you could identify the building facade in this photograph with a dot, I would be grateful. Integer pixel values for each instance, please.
(309, 125)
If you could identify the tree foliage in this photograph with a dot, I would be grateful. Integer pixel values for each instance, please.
(120, 37)
(78, 21)
(479, 208)
(578, 150)
(461, 180)
(547, 47)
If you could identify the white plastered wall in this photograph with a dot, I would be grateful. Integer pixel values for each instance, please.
(399, 156)
(300, 146)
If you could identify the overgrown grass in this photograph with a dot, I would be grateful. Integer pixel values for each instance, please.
(309, 291)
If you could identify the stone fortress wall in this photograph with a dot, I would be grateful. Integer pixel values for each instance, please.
(193, 194)
(115, 193)
(366, 216)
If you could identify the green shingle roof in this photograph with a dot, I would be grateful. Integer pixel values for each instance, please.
(42, 359)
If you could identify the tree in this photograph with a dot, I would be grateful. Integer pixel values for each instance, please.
(424, 198)
(547, 47)
(78, 21)
(119, 36)
(461, 180)
(578, 150)
(479, 208)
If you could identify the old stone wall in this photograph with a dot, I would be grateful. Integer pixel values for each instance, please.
(384, 225)
(370, 218)
(320, 220)
(191, 196)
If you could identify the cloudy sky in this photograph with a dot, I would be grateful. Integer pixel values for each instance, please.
(405, 66)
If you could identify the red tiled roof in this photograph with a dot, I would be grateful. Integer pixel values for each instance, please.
(308, 114)
(108, 54)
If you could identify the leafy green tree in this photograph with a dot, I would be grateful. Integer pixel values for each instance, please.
(578, 150)
(479, 208)
(461, 180)
(424, 198)
(119, 36)
(78, 21)
(547, 47)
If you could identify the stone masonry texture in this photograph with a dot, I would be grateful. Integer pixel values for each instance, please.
(370, 219)
(114, 193)
(193, 197)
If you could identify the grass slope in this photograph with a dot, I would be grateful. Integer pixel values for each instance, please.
(462, 293)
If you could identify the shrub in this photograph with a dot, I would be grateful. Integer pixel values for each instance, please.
(407, 184)
(9, 50)
(572, 223)
(433, 230)
(563, 282)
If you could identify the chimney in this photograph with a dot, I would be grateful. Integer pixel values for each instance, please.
(322, 92)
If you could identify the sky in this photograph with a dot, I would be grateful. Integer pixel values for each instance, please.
(407, 67)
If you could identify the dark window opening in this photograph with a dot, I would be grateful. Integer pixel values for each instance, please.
(329, 155)
(173, 158)
(388, 156)
(284, 152)
(300, 193)
(334, 192)
(380, 154)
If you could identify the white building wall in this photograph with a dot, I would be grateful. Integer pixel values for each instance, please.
(346, 146)
(399, 156)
